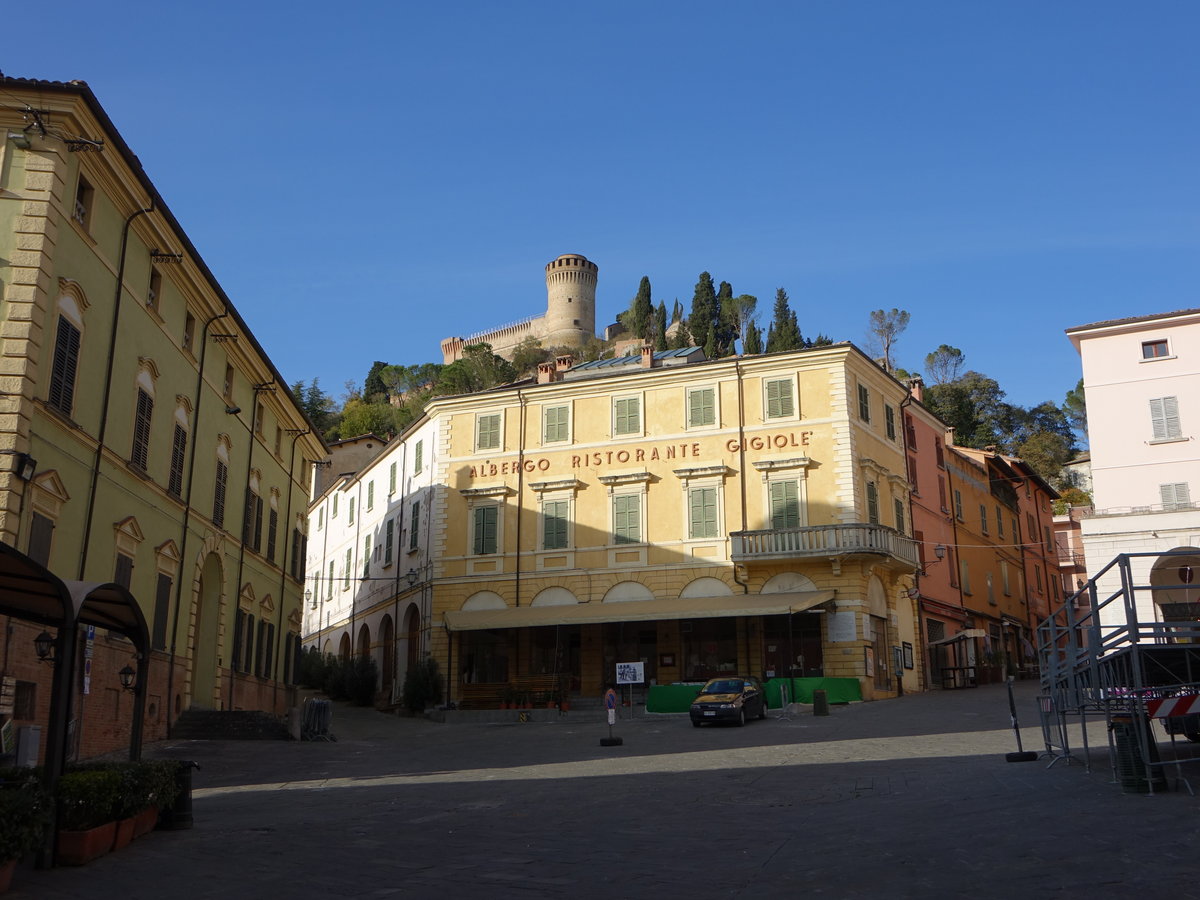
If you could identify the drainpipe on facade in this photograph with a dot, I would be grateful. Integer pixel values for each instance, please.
(399, 530)
(296, 435)
(520, 492)
(246, 524)
(187, 514)
(737, 368)
(112, 355)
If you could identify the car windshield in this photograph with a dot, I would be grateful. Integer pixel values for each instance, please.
(723, 686)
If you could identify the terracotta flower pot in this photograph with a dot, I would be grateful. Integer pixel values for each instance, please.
(74, 848)
(123, 835)
(145, 821)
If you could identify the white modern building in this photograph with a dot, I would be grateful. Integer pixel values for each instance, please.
(1141, 381)
(368, 567)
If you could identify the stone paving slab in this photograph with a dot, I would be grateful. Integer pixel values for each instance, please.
(903, 798)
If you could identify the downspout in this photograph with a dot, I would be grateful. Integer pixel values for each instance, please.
(916, 601)
(520, 492)
(355, 581)
(247, 637)
(187, 513)
(296, 435)
(398, 531)
(112, 356)
(737, 368)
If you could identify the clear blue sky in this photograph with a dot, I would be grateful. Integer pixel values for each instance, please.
(366, 178)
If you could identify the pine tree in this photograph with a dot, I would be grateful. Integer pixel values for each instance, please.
(784, 333)
(639, 319)
(705, 311)
(752, 343)
(660, 327)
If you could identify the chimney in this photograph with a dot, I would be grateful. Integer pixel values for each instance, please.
(916, 387)
(562, 363)
(547, 373)
(647, 356)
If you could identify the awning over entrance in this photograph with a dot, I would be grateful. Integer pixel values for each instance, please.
(961, 636)
(637, 610)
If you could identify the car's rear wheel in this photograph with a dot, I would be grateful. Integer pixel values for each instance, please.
(741, 717)
(762, 710)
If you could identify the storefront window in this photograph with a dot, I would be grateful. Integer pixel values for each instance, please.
(709, 648)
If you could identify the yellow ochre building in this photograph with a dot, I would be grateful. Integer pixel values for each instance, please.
(745, 515)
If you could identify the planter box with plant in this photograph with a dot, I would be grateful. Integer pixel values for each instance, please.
(89, 802)
(24, 817)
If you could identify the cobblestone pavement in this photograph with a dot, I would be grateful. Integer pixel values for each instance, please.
(902, 798)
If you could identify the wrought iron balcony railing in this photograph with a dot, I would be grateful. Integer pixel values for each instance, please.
(817, 541)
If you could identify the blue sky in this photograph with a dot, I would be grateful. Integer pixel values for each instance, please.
(366, 178)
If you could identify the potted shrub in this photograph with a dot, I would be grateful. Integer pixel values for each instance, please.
(156, 790)
(88, 801)
(24, 816)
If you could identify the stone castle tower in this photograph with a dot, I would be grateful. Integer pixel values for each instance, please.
(569, 319)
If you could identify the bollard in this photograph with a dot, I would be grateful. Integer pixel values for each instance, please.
(820, 703)
(179, 816)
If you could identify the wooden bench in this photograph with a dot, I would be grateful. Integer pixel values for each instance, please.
(486, 695)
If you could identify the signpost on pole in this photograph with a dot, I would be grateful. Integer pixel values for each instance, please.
(631, 673)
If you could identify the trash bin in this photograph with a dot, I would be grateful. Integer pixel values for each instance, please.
(179, 816)
(820, 703)
(1131, 767)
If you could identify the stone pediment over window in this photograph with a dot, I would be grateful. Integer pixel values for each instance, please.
(766, 466)
(690, 474)
(500, 490)
(128, 536)
(246, 597)
(295, 620)
(50, 494)
(267, 605)
(561, 484)
(628, 478)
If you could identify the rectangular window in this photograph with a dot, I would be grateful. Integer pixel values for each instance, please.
(702, 512)
(958, 505)
(370, 495)
(123, 571)
(627, 415)
(350, 510)
(278, 440)
(66, 362)
(260, 415)
(162, 602)
(391, 479)
(84, 197)
(299, 555)
(41, 534)
(627, 519)
(329, 592)
(139, 454)
(999, 524)
(320, 518)
(333, 514)
(554, 525)
(983, 518)
(1164, 419)
(864, 403)
(252, 521)
(487, 432)
(1154, 349)
(942, 493)
(991, 592)
(872, 503)
(910, 432)
(222, 476)
(178, 452)
(414, 524)
(1175, 496)
(966, 577)
(227, 387)
(348, 569)
(484, 521)
(154, 292)
(785, 505)
(702, 407)
(419, 457)
(1005, 582)
(272, 533)
(781, 403)
(898, 505)
(249, 657)
(389, 541)
(889, 421)
(939, 454)
(555, 424)
(366, 560)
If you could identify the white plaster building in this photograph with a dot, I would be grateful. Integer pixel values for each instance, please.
(1141, 380)
(369, 561)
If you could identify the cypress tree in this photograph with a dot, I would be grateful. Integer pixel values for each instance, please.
(705, 310)
(753, 342)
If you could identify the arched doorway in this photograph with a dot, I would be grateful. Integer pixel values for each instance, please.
(1175, 586)
(204, 642)
(387, 653)
(344, 646)
(364, 641)
(409, 650)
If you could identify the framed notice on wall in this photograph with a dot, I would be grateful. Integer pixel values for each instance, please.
(843, 626)
(908, 654)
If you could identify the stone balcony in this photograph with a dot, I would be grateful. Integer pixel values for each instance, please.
(816, 542)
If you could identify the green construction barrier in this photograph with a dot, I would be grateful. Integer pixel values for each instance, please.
(677, 698)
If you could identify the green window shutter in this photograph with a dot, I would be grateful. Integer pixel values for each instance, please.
(872, 503)
(485, 530)
(370, 495)
(701, 407)
(347, 573)
(785, 505)
(66, 362)
(703, 517)
(489, 432)
(389, 539)
(418, 457)
(554, 525)
(366, 570)
(627, 519)
(413, 524)
(627, 415)
(392, 479)
(779, 399)
(899, 507)
(556, 424)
